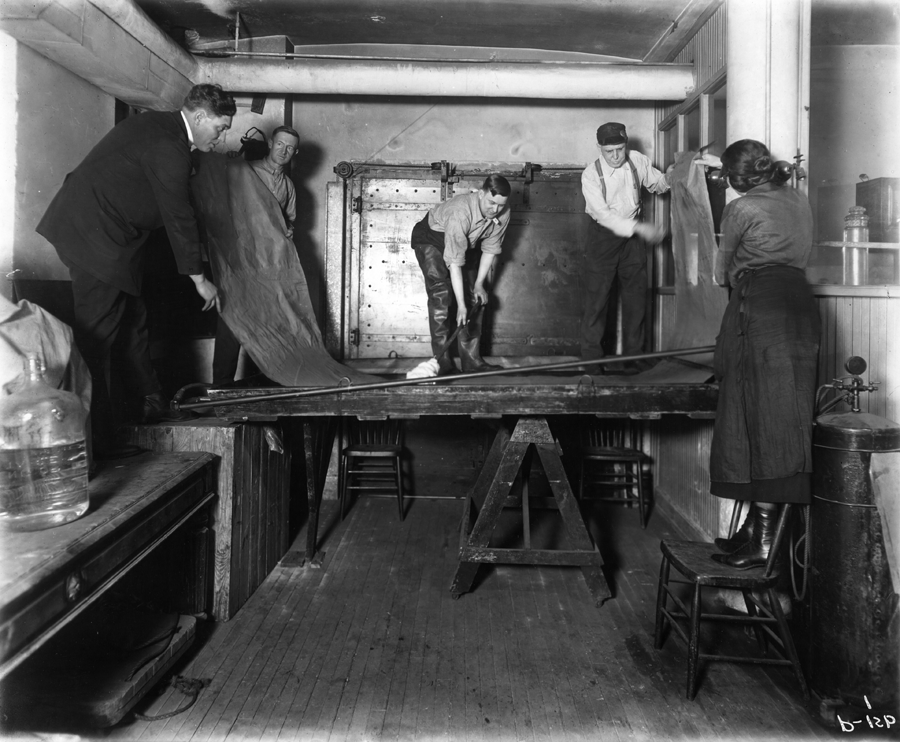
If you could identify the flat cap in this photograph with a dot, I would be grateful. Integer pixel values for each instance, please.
(611, 133)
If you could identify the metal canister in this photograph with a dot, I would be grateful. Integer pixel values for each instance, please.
(853, 609)
(856, 225)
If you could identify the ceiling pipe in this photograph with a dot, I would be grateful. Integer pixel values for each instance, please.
(543, 80)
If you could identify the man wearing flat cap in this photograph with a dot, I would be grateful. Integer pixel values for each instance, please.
(616, 241)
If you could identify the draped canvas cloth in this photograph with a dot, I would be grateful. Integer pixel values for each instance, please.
(699, 301)
(28, 328)
(265, 299)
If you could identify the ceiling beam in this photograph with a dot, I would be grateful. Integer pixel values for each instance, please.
(110, 43)
(682, 30)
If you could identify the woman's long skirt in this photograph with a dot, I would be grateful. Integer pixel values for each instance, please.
(765, 360)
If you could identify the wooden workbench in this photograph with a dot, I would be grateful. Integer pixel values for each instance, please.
(574, 394)
(528, 398)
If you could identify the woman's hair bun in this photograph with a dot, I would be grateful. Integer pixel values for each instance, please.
(749, 164)
(762, 164)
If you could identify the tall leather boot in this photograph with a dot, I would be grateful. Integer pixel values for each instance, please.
(742, 536)
(756, 551)
(437, 286)
(439, 325)
(469, 341)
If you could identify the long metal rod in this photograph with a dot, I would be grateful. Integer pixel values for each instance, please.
(324, 391)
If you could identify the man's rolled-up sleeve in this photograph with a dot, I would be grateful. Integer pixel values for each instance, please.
(652, 179)
(168, 169)
(456, 240)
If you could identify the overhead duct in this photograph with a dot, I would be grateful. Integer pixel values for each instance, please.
(547, 80)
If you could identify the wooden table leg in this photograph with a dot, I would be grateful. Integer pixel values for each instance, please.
(318, 439)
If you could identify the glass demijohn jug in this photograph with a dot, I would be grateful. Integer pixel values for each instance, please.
(43, 458)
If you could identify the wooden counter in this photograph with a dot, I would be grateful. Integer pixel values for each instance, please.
(49, 577)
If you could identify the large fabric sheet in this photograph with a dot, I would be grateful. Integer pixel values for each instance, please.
(265, 299)
(699, 301)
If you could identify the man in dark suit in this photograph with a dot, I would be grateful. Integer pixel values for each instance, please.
(133, 181)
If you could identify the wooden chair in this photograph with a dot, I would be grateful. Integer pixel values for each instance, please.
(372, 460)
(611, 460)
(692, 559)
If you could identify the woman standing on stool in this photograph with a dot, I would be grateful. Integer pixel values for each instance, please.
(766, 351)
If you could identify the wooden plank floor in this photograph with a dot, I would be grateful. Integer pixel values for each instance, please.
(371, 646)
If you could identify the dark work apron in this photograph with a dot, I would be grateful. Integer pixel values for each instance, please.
(766, 358)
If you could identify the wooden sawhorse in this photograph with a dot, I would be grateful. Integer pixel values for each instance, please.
(492, 488)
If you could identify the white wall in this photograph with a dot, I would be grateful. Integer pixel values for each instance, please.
(416, 130)
(8, 164)
(60, 118)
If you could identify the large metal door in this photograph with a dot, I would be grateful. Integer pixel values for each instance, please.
(388, 307)
(535, 288)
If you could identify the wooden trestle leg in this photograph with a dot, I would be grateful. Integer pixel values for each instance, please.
(501, 467)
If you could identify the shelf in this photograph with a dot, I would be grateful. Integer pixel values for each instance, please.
(874, 292)
(862, 245)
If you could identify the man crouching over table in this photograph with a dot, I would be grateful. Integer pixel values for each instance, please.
(441, 240)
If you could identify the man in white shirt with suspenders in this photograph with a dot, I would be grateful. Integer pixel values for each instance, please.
(616, 241)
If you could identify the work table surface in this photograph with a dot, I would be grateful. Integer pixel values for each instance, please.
(662, 390)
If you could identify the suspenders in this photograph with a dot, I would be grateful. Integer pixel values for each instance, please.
(635, 181)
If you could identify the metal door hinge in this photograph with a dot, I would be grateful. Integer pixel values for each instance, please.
(357, 205)
(354, 336)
